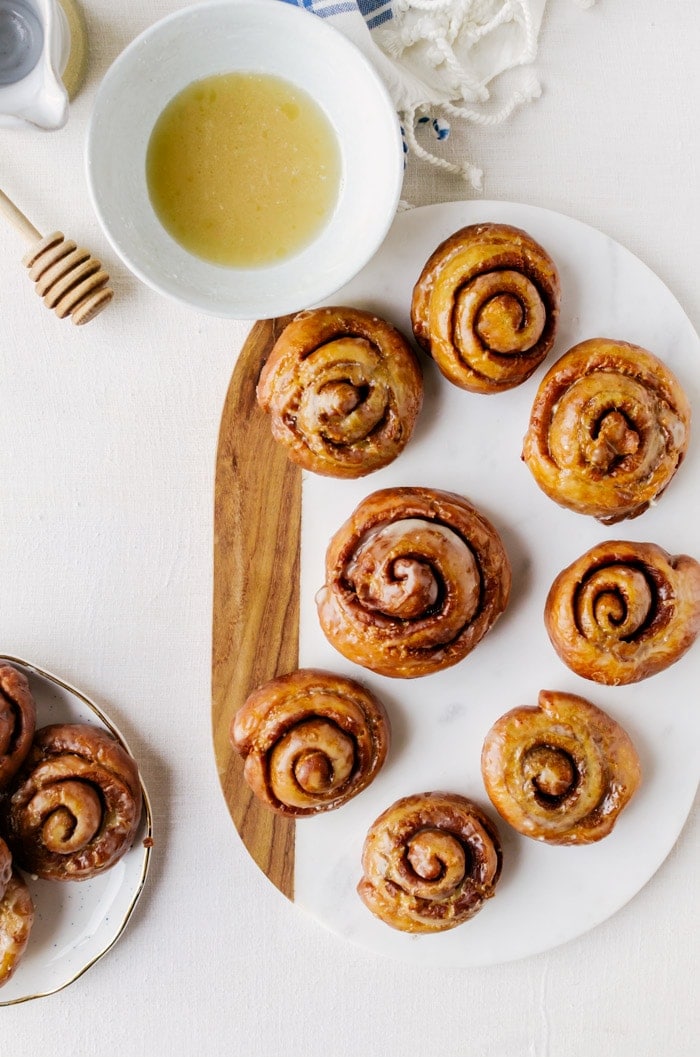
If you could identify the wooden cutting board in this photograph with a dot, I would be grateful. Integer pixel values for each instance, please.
(255, 636)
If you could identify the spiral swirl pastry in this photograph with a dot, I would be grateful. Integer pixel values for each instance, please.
(17, 722)
(624, 611)
(430, 862)
(343, 389)
(560, 772)
(414, 580)
(76, 806)
(16, 920)
(311, 741)
(486, 307)
(609, 427)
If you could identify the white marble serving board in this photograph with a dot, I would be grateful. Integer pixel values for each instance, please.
(471, 444)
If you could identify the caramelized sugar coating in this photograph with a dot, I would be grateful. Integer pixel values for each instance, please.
(5, 866)
(17, 722)
(624, 611)
(16, 920)
(430, 862)
(560, 772)
(609, 427)
(414, 580)
(76, 805)
(311, 741)
(486, 307)
(343, 389)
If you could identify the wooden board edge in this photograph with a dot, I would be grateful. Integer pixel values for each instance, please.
(255, 627)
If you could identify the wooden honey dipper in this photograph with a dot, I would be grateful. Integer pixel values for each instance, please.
(68, 278)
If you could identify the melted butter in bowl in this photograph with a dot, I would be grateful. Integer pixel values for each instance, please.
(243, 169)
(244, 158)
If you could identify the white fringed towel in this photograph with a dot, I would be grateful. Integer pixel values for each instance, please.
(439, 58)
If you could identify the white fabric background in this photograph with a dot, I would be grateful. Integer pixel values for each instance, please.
(107, 444)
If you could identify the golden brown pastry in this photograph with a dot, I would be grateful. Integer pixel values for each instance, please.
(486, 307)
(311, 741)
(17, 722)
(343, 389)
(16, 920)
(5, 866)
(430, 862)
(414, 580)
(561, 772)
(76, 805)
(624, 611)
(609, 427)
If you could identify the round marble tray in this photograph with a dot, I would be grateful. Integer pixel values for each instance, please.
(471, 444)
(75, 924)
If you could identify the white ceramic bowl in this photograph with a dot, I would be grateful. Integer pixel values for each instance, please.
(262, 36)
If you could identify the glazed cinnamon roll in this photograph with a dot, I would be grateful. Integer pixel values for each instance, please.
(17, 722)
(624, 611)
(609, 428)
(430, 862)
(414, 580)
(560, 772)
(16, 920)
(5, 866)
(343, 389)
(486, 307)
(76, 805)
(311, 741)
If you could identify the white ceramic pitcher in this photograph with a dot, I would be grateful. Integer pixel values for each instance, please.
(35, 43)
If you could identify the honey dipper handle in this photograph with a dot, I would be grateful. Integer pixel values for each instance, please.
(18, 219)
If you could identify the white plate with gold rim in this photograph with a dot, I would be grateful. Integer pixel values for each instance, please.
(75, 923)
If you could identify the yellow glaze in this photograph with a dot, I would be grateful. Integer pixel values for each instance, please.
(243, 169)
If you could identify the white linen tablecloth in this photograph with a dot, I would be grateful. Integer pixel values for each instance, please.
(107, 445)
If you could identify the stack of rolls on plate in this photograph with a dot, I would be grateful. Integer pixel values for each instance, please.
(70, 807)
(17, 726)
(417, 576)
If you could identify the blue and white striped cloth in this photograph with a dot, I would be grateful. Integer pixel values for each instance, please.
(374, 12)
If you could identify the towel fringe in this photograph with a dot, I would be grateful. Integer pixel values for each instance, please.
(466, 170)
(440, 33)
